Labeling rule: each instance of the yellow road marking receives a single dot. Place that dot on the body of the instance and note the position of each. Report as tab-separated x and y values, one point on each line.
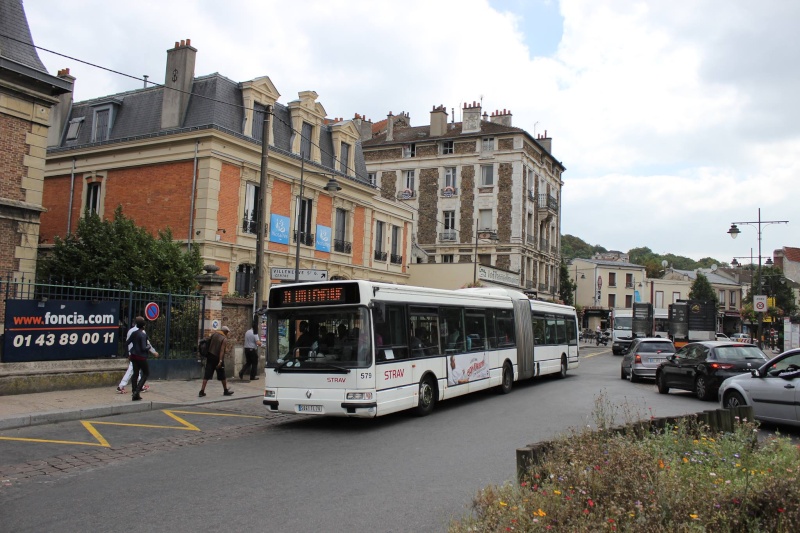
101	441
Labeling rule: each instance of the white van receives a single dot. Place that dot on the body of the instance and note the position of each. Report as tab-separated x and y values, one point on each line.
621	330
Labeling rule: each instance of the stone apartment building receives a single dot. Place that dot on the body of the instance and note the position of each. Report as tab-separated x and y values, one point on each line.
478	188
187	156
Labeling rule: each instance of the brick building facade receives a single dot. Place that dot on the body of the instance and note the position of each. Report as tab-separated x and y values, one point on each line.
188	156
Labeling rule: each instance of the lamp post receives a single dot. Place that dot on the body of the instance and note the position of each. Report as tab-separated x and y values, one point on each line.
734	232
332	186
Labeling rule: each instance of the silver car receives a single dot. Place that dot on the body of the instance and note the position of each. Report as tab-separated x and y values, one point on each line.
773	389
643	356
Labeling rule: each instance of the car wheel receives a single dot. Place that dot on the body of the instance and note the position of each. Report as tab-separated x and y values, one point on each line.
507	380
622	374
733	400
633	377
701	388
661	382
427	397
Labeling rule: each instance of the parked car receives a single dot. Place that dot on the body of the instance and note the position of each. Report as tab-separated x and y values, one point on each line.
722	337
701	367
741	337
773	390
643	356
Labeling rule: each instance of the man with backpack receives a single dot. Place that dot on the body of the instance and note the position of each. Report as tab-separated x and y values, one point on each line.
215	360
139	350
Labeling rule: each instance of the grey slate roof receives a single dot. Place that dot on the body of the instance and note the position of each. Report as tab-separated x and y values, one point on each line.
216	102
620	264
14	23
712	277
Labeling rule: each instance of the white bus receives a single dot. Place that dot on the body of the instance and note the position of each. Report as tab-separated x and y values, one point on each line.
364	349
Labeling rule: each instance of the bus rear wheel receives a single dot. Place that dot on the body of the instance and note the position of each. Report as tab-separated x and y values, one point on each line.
563	372
427	397
508	379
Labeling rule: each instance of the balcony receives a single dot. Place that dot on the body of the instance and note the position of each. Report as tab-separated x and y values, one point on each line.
449	192
448	235
305	238
343	247
546	207
542	287
380	256
530	239
628	284
396	259
406	194
528	284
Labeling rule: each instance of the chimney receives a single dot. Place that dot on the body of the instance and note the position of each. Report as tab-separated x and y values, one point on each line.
180	76
501	117
364	126
390	127
438	121
60	112
472	118
545	142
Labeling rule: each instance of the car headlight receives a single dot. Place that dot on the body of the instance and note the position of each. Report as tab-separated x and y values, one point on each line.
359	396
269	393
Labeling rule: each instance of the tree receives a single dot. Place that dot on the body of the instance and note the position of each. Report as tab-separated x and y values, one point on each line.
117	252
567	286
702	290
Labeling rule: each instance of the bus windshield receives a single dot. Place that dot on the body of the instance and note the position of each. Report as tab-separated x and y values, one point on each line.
333	338
623	323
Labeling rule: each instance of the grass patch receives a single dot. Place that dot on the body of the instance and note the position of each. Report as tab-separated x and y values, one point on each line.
681	478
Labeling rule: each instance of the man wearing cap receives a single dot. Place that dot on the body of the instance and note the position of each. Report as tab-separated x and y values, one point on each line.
216	360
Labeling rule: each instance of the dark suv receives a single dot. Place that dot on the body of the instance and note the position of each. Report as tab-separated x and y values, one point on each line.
701	367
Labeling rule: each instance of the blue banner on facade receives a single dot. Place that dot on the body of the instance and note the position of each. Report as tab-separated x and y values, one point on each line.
323	238
279	229
57	330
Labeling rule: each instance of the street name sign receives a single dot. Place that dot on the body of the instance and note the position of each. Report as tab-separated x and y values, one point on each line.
306	274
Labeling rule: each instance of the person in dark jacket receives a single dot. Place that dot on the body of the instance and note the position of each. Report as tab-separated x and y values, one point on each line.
216	360
140	349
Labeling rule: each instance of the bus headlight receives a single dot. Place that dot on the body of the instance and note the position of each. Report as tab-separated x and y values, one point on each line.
269	393
359	396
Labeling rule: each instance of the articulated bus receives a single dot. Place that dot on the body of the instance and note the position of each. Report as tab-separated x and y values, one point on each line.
364	349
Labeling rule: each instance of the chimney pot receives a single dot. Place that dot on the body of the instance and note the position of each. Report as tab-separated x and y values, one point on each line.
177	44
188	42
183	43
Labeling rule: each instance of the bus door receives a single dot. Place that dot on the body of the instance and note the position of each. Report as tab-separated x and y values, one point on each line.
394	379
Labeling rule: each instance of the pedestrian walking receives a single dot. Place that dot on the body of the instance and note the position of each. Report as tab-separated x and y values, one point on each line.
215	361
251	344
129	373
139	352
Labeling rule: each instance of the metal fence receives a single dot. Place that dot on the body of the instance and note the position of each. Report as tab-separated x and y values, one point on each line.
174	334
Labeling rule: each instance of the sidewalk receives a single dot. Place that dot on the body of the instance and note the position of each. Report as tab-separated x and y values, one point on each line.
22	410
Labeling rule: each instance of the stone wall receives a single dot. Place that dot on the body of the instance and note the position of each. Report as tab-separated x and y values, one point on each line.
427	150
467	147
385	154
467	196
389	185
505	197
505	144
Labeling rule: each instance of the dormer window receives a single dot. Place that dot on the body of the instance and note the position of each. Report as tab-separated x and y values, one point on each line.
305	141
104	113
344	158
487	144
259	113
410	150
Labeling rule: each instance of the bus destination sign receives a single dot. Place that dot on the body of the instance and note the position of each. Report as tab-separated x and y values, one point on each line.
317	295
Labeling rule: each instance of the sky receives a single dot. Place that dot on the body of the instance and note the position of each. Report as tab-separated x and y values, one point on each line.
673	118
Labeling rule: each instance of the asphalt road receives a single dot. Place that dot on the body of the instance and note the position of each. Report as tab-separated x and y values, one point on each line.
291	474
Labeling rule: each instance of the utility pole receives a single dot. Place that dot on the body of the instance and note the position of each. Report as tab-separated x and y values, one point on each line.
261	222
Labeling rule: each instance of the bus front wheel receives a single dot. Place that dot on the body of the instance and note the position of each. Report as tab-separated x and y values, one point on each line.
427	397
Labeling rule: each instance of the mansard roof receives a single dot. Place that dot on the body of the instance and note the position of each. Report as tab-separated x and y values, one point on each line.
216	103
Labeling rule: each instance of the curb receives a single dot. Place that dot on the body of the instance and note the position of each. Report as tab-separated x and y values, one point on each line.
52	417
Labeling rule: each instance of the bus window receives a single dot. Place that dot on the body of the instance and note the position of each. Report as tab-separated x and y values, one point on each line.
561	331
393	332
572	332
505	328
451	330
491	334
423	331
475	328
538	330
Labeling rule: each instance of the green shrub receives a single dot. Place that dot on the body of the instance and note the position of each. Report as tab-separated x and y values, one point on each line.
683	478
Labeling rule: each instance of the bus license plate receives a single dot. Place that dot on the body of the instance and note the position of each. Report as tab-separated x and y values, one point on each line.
309	408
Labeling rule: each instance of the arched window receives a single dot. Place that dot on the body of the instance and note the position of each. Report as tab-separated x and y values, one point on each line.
245	279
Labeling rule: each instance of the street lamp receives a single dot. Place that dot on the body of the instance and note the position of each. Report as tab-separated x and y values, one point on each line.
332	186
734	232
